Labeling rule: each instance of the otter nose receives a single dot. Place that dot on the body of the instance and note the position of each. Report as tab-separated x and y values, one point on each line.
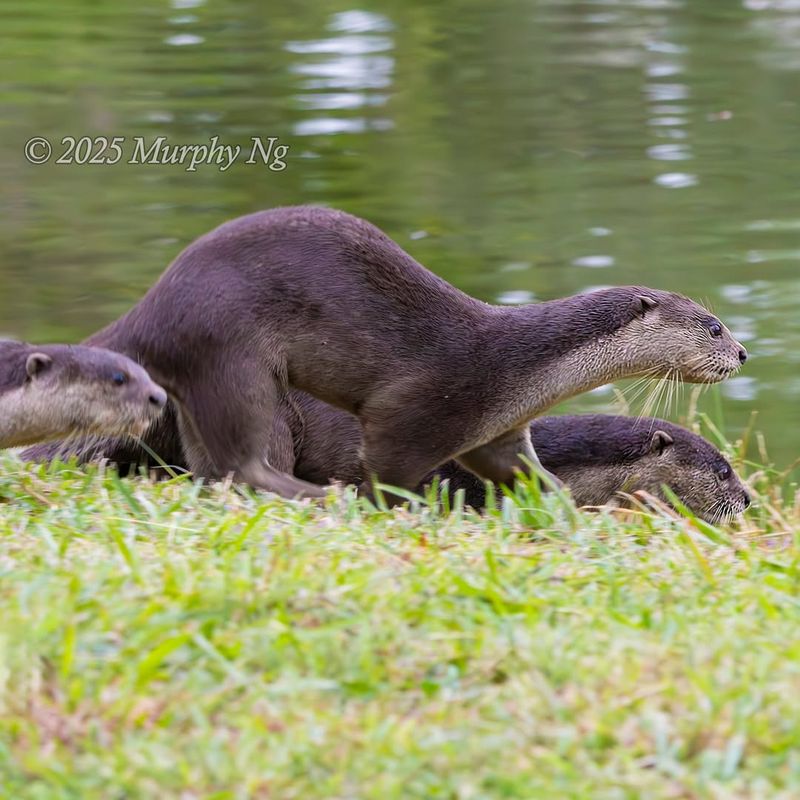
747	500
158	397
742	355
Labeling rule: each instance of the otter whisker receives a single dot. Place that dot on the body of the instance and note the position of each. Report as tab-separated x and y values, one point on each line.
652	400
716	511
669	392
680	386
718	515
635	397
674	391
647	404
664	396
637	389
650	409
659	400
648	399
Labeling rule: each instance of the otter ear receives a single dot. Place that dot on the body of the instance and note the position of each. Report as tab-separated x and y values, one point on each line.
660	442
643	303
37	363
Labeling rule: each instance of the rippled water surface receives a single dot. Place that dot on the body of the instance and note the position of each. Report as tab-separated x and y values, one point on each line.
523	150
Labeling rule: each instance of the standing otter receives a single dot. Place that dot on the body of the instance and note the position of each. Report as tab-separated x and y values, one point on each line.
52	391
598	456
321	301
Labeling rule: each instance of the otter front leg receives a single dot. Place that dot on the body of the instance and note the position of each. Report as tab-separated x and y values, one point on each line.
501	459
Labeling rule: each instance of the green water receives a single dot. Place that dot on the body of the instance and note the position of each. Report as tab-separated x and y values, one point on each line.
523	150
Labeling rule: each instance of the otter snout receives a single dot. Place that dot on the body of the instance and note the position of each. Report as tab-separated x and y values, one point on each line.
146	401
158	397
142	390
742	355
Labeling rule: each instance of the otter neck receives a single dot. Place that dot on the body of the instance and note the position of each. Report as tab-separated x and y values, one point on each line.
19	412
546	365
580	370
597	485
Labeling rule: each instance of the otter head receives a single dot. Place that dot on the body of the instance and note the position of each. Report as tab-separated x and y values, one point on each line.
88	390
694	470
675	337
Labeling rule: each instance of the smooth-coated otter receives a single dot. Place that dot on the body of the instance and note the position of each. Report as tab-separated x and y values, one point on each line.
318	300
602	458
599	457
52	391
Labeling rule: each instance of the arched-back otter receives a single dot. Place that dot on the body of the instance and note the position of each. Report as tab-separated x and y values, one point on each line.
598	456
321	301
52	391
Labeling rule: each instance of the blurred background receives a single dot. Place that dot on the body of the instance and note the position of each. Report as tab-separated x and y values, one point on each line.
523	149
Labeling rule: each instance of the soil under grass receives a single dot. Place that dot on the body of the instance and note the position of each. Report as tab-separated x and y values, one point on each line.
173	640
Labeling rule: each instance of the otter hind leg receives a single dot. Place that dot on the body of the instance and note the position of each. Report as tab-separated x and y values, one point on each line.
231	428
499	460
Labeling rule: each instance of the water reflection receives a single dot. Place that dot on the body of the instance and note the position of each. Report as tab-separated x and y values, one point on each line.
666	121
736	293
184	39
676	180
515	297
774	225
594	262
669	112
740	388
669	152
349	76
501	143
759	256
778	20
664	92
743	328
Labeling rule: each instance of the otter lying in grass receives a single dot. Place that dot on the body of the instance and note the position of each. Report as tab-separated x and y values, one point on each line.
51	391
602	458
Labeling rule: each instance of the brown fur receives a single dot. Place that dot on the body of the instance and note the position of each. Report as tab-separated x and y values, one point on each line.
600	458
52	391
317	300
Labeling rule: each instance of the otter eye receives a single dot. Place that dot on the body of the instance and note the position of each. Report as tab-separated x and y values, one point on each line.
119	378
715	329
724	472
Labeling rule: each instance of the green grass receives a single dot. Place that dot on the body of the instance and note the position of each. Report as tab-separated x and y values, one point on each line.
175	641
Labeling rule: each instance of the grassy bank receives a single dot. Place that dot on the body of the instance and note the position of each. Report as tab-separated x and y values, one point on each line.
174	641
